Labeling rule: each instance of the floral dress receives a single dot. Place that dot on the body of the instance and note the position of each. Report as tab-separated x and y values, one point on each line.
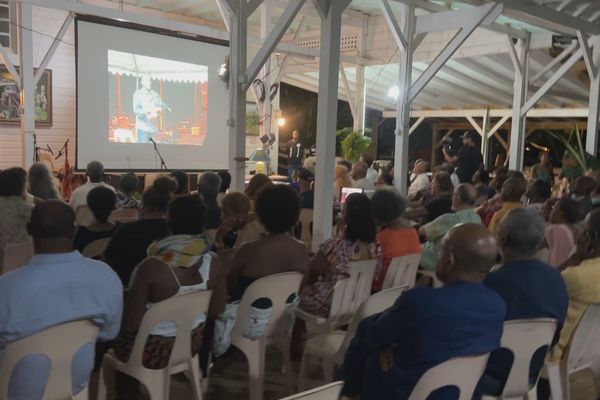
339	253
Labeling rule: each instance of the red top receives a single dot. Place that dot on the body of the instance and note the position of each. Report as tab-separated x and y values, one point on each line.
395	243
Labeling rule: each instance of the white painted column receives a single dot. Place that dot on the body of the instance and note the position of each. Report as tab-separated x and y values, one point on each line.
485	142
265	28
591	142
237	96
403	105
359	84
517	137
329	64
27	83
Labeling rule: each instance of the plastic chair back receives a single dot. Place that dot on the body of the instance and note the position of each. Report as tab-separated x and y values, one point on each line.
523	338
461	372
377	303
306	218
584	352
402	271
123	215
183	311
59	344
325	392
276	288
16	255
350	293
96	248
84	216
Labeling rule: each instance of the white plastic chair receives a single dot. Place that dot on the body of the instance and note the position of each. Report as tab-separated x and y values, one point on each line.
583	353
84	216
123	215
461	372
16	255
183	311
59	344
325	392
402	271
305	219
331	347
523	338
348	295
96	248
278	289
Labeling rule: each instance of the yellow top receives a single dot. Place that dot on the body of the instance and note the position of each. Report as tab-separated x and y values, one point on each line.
498	215
583	286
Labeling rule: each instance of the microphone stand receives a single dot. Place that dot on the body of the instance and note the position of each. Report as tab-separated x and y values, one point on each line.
163	165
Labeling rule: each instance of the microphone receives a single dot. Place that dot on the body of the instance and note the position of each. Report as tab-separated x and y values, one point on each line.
152	140
49	149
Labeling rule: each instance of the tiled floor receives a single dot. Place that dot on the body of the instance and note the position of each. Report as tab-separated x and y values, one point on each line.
229	379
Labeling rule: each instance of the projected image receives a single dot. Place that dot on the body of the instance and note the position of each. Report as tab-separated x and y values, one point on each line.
156	99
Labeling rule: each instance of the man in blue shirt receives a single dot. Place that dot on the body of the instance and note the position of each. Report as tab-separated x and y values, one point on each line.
530	288
425	327
57	285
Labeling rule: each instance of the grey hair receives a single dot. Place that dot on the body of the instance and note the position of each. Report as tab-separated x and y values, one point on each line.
523	231
95	170
209	184
466	193
40	182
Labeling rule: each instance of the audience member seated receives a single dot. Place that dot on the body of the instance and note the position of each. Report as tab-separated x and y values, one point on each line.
307	194
41	183
440	202
57	285
127	195
101	202
278	208
582	191
256	183
238	224
346	164
482	177
563	231
396	236
332	261
426	327
384	180
225	184
463	203
512	191
14	210
583	285
538	192
359	176
483	194
95	172
341	179
209	185
183	185
176	265
418	178
372	173
129	242
530	288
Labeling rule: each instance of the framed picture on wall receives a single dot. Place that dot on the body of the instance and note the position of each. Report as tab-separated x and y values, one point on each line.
10	103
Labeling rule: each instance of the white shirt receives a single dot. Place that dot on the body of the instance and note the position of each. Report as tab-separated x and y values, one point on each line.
372	176
364	184
420	182
79	195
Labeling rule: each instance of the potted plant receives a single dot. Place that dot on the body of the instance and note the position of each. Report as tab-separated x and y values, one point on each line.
354	143
576	161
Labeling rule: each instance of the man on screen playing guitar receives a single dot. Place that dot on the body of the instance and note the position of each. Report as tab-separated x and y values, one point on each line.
147	107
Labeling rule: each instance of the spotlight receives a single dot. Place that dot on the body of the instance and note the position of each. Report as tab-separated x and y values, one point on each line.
281	122
394	92
224	71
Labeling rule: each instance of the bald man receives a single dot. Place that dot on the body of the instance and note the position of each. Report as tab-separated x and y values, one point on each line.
57	285
425	327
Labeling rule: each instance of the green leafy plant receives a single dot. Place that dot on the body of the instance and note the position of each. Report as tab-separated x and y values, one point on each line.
576	160
354	143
